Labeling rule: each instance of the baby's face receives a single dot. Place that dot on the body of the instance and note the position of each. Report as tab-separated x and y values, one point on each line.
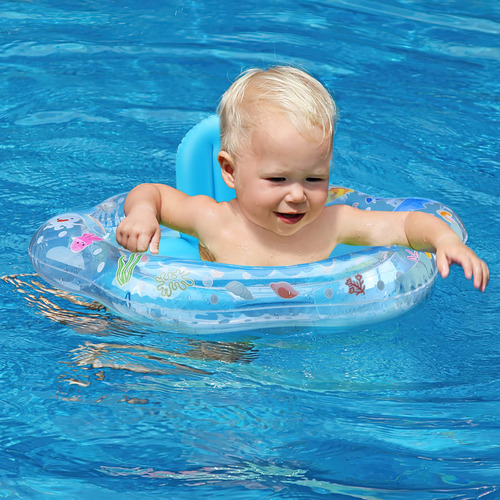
281	177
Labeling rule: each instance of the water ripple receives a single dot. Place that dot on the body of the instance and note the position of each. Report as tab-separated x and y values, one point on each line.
442	19
96	99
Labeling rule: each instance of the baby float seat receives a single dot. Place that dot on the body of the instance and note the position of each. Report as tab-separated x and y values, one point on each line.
197	168
198	173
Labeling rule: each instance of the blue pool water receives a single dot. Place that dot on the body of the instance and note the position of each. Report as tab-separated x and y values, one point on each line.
96	96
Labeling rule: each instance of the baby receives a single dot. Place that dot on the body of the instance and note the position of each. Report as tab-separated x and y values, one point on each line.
277	131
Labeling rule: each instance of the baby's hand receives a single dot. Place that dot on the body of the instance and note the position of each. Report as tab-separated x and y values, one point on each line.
451	250
139	230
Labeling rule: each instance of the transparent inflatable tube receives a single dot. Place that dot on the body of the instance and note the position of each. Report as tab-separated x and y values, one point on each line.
175	290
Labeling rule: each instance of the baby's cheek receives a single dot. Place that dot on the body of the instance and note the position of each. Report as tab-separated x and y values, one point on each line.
320	198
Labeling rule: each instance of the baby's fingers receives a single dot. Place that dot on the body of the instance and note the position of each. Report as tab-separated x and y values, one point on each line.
486	276
142	244
472	265
467	265
442	264
476	268
481	275
122	236
154	246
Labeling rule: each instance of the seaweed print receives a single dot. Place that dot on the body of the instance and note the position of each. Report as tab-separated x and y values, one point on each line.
173	280
126	268
356	285
413	255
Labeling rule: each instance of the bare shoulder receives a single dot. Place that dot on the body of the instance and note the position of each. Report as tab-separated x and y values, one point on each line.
368	227
212	211
341	215
210	214
349	216
186	213
203	202
335	220
217	227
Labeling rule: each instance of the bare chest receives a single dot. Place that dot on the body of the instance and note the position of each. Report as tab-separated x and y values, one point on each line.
235	245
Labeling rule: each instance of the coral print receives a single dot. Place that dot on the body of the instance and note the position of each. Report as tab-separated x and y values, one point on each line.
83	241
413	255
356	285
173	280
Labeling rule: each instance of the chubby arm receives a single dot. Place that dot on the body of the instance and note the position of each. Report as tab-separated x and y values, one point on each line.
428	233
149	205
417	230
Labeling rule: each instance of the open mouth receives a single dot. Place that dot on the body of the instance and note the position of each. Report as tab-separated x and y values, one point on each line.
289	218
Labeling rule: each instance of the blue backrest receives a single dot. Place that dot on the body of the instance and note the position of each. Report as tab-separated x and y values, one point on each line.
197	168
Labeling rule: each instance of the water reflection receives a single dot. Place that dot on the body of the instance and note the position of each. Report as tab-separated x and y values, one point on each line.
83	316
92	318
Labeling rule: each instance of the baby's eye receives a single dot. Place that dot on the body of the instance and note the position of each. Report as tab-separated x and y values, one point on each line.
314	179
276	179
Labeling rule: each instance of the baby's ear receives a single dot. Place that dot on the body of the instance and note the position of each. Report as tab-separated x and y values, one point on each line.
226	163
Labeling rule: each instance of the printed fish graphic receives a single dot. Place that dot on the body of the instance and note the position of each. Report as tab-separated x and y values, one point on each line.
83	241
337	192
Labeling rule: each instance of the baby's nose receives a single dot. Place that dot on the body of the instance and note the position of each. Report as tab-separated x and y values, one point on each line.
296	194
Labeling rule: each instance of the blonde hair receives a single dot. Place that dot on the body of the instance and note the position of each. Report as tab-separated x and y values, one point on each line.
291	91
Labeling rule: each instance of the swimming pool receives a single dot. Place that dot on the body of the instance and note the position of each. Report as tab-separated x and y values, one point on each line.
95	98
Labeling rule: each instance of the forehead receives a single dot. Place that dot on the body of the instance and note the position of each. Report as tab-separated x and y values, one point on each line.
273	132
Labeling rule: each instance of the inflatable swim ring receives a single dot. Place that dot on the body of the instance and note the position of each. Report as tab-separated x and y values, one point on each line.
77	252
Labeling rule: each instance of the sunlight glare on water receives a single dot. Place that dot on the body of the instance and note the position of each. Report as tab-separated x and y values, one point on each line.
96	97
